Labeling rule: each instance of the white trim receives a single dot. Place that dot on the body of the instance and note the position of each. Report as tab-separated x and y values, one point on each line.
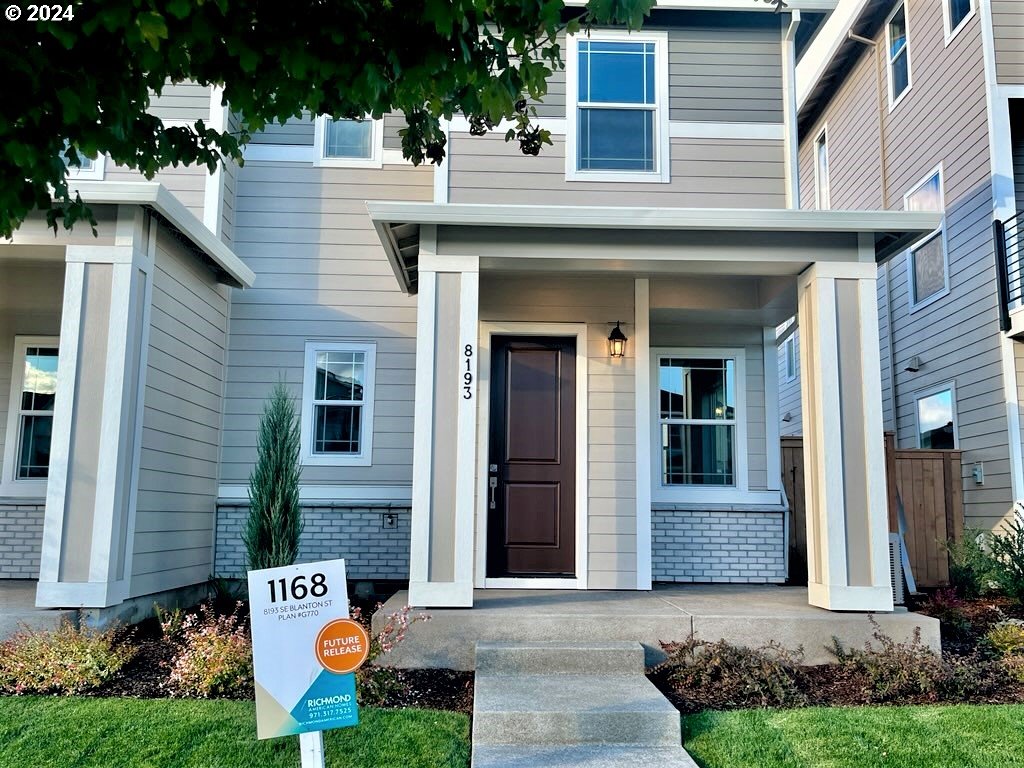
913	303
82	594
642	361
893	99
773	442
10	485
446	594
423	437
467	410
375	160
96	173
213	190
950	34
789	356
791	116
822	202
767	131
921	394
578	331
365	456
735	493
442	172
334	493
825	45
663	160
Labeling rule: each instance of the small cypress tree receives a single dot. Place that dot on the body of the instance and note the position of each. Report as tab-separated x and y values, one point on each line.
274	526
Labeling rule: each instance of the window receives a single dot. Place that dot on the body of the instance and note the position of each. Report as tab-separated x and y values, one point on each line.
337	403
955	14
30	418
928	272
898	50
697	414
618	126
348	143
89	169
790	347
822	192
936	418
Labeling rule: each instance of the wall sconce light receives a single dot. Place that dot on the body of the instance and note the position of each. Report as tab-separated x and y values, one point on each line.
617	342
788	417
913	364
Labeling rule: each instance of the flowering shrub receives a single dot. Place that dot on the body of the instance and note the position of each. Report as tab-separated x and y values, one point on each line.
376	683
1007	637
214	657
67	660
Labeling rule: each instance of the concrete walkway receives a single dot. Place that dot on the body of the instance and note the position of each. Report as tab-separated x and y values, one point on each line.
588	705
18	609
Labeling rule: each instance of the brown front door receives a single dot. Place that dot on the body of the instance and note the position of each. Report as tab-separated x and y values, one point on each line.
532	468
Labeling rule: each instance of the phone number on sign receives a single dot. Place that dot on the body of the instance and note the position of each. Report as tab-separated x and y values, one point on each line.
40	13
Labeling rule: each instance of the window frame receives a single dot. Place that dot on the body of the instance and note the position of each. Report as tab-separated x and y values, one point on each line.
662	173
697	493
10	484
922	394
947	16
365	456
375	160
96	173
894	100
912	302
789	347
821	141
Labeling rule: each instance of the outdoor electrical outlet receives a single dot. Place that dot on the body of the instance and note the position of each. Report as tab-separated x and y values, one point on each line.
390	520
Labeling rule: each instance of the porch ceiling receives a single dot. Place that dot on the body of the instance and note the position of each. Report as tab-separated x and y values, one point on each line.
640	240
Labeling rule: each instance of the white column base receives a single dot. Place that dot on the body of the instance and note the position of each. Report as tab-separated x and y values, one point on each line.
841	597
441	594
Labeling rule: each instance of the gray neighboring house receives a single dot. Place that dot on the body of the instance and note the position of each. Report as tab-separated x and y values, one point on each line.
919	105
470	419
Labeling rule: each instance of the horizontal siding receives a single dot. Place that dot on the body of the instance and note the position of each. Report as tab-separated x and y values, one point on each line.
1008	32
706	173
789	393
611	404
320	274
294	132
181	102
177	495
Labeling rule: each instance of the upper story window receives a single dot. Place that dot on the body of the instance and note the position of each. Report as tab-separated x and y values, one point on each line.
348	143
618	123
30	417
337	403
927	262
89	169
897	42
822	192
955	15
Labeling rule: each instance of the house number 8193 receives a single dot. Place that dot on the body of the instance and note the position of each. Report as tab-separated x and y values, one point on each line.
467	375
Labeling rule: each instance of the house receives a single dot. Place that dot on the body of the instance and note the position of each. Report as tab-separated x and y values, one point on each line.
919	105
513	372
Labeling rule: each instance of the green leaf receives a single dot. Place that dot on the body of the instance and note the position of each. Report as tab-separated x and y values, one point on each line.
153	28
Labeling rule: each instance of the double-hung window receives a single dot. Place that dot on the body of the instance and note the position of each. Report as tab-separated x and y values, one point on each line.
348	143
30	418
699	413
618	123
822	190
897	42
337	403
927	262
955	15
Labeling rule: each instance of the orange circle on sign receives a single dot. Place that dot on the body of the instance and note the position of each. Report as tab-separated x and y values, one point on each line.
342	646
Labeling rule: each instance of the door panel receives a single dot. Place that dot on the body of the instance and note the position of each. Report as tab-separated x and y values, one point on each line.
532	516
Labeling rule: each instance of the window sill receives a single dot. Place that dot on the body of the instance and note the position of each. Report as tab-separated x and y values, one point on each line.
952	35
776	506
893	103
30	490
694	497
626	177
915	307
336	461
348	162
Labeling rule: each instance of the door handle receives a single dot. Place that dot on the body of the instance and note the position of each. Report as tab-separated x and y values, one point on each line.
493	484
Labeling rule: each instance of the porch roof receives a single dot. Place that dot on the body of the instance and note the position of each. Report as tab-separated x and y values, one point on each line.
398	224
228	267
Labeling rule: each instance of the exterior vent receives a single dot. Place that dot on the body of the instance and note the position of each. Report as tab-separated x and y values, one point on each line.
896	568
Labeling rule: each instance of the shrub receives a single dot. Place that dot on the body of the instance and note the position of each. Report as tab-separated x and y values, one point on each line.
1014	666
376	683
946	606
971	569
67	660
214	656
1007	637
274	525
765	676
171	621
1006	549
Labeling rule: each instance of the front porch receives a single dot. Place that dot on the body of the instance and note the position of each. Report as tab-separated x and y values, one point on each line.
748	615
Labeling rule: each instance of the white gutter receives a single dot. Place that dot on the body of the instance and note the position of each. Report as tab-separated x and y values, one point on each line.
792	136
160	199
821	6
826	44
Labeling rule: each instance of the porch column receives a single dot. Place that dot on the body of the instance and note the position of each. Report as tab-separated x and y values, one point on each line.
444	444
847	519
90	493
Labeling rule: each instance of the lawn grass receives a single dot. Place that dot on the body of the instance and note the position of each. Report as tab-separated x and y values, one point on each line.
959	736
167	733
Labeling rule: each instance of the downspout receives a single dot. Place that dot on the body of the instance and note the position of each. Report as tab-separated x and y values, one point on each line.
791	138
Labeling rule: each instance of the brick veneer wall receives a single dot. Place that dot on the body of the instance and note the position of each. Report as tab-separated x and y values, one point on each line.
21	538
740	547
358	534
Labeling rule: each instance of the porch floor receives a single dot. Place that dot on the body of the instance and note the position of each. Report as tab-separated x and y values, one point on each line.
18	609
739	613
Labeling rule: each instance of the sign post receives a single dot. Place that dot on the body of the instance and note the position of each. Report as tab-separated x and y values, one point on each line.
305	651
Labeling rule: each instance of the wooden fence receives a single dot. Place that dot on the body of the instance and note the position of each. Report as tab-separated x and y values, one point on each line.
930	485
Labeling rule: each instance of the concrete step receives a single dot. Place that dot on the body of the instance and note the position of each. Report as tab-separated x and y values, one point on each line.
559	658
581	756
538	710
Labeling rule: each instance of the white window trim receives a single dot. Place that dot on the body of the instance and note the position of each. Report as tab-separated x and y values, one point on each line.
662	172
10	485
682	493
375	160
96	173
822	140
913	304
921	394
950	34
789	346
365	457
894	101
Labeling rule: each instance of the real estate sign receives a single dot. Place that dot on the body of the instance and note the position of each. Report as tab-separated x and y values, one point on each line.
305	649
